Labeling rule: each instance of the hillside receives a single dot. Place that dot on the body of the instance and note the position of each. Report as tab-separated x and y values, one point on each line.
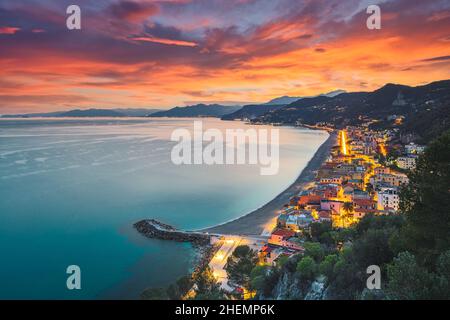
285	100
91	113
425	109
251	111
136	112
198	110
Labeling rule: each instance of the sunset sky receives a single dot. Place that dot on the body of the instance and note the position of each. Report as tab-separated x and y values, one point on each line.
159	54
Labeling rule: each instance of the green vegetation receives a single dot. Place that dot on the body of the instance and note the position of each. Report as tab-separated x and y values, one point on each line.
322	232
207	286
180	288
257	277
348	209
203	286
410	281
174	291
264	279
327	265
240	264
307	268
314	250
426	204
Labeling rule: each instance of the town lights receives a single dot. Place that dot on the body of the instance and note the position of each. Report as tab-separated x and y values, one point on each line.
219	256
343	143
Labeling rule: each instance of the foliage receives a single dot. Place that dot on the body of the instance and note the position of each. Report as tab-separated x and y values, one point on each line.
178	289
271	280
206	281
327	265
263	279
282	260
321	232
373	248
426	203
184	284
258	271
348	207
370	221
240	264
370	245
408	280
307	268
314	250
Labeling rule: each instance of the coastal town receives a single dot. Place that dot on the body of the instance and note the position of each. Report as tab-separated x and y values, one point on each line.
359	177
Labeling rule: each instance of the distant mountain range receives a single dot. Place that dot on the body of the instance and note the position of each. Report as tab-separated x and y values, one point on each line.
424	110
287	100
129	112
253	111
198	110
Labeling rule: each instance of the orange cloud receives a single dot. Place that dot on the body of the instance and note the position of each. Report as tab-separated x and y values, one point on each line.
165	41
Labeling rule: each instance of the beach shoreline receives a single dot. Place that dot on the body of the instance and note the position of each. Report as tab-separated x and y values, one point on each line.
255	222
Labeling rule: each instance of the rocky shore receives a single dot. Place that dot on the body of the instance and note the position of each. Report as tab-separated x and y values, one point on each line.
201	242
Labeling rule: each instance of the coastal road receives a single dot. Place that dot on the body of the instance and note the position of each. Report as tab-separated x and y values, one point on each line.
218	262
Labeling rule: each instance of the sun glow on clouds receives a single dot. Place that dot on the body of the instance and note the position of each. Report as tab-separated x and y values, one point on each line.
167	53
165	41
9	30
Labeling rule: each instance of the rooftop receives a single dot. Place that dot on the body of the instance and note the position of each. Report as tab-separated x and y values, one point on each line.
285	233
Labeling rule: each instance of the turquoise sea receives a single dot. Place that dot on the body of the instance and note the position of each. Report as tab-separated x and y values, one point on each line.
70	190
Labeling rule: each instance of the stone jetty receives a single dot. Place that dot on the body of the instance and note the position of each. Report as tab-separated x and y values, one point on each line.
157	230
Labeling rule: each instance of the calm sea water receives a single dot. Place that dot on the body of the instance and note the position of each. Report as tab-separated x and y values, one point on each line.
71	189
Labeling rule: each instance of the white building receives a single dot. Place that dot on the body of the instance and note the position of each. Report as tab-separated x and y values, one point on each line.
388	198
413	148
408	163
396	180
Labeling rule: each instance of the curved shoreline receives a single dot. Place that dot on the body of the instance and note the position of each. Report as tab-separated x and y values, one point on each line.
254	222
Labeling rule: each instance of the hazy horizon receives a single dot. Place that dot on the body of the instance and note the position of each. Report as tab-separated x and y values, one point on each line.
208	103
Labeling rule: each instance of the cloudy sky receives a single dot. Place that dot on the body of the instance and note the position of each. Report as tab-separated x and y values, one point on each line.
164	53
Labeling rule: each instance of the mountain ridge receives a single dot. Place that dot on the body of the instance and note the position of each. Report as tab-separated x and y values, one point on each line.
287	99
416	106
252	111
91	112
198	110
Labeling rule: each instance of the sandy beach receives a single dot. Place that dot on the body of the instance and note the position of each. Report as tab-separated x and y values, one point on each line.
254	222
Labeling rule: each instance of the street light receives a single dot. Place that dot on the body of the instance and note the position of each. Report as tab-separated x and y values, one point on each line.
220	256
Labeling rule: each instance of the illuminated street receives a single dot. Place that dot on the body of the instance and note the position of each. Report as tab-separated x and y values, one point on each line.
218	262
344	148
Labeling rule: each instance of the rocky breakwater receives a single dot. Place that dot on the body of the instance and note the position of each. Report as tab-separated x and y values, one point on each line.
157	230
